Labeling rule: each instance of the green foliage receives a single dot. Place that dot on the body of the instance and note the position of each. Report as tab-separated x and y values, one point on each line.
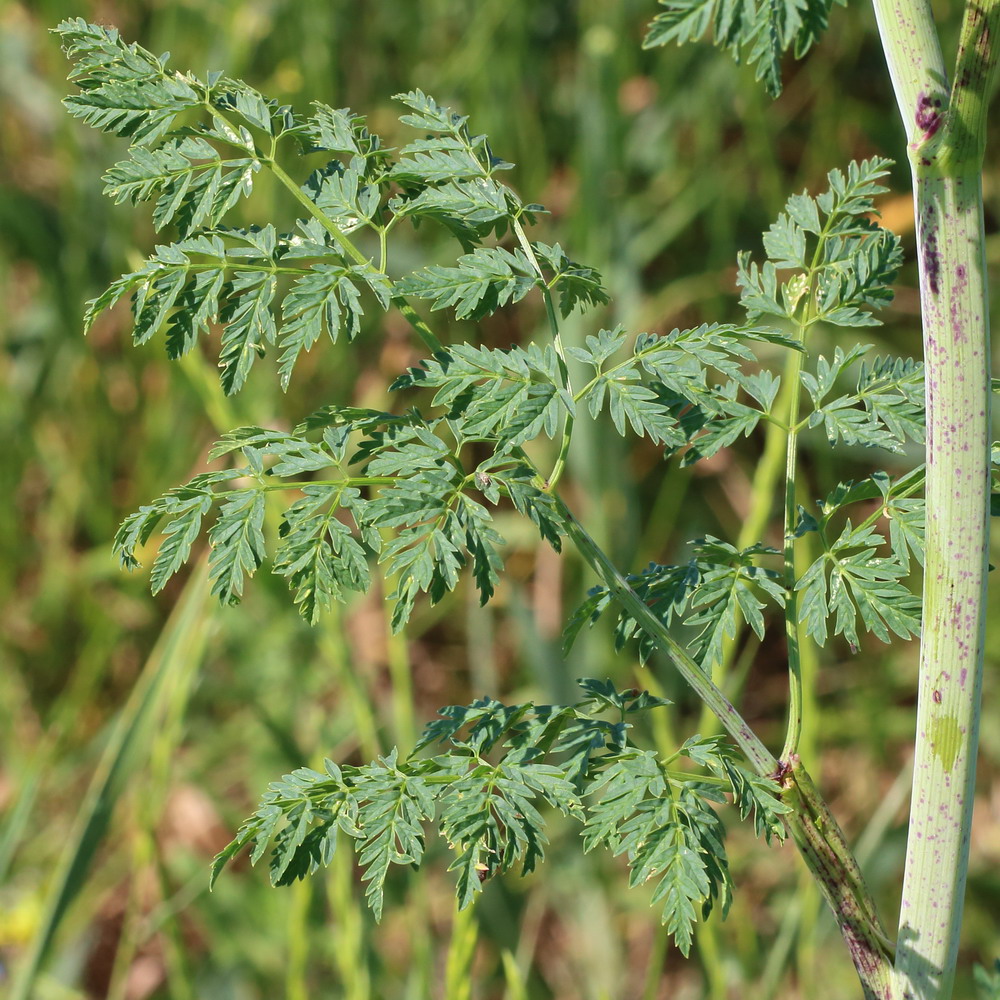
843	265
509	397
123	88
284	289
762	32
716	590
662	390
485	280
417	489
844	262
417	481
851	577
502	764
988	981
885	411
409	482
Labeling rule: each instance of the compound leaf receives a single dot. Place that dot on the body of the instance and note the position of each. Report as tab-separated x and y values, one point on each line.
762	32
318	553
325	298
849	579
391	820
124	88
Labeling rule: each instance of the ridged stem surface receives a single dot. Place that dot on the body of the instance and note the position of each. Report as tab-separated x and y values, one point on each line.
945	127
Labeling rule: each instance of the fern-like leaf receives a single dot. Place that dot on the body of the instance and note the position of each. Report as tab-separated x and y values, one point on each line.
124	88
761	32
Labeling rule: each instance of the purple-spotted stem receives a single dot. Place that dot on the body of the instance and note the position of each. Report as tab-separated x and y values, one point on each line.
945	127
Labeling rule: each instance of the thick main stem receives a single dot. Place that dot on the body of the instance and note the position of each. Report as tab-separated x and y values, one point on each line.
956	339
945	127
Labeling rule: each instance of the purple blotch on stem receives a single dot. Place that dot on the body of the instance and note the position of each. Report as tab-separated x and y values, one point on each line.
928	116
932	265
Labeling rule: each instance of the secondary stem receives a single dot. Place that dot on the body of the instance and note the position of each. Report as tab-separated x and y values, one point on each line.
812	826
767	475
745	738
794	731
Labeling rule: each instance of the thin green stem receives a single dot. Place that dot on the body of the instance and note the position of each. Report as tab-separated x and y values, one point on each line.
317	213
794	730
733	723
792	375
300	485
461	954
297	938
765	481
550	312
383	248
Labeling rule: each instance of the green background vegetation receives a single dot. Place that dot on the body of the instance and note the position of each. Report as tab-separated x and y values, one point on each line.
656	167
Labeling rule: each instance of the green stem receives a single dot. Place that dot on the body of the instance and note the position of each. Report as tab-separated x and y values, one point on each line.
550	311
344	483
766	476
769	468
792	377
956	335
794	730
946	129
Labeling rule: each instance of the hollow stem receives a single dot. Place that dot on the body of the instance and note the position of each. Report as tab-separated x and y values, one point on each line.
945	126
956	339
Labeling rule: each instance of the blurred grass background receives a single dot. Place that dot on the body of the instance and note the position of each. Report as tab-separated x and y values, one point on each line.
135	732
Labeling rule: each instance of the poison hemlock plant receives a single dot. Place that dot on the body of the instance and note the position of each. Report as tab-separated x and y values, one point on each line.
416	488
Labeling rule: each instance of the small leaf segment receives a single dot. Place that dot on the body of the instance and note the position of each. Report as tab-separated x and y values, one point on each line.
497	767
